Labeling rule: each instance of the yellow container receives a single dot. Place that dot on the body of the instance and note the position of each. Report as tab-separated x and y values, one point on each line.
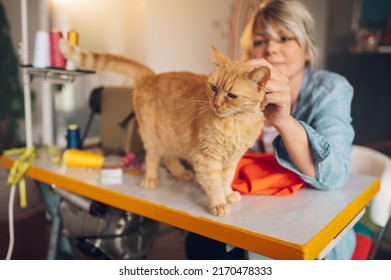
79	158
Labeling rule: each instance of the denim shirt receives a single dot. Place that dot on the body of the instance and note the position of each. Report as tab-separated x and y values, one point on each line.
323	108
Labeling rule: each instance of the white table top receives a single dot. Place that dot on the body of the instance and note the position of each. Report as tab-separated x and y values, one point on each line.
302	224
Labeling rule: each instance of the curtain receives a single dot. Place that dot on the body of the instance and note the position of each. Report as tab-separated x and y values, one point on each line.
241	13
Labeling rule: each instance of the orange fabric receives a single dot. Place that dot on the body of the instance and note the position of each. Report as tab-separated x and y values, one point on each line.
258	173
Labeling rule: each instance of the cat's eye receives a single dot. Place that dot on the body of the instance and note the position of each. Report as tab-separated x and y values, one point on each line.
213	88
231	95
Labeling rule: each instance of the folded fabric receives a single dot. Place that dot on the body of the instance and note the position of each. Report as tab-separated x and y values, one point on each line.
259	173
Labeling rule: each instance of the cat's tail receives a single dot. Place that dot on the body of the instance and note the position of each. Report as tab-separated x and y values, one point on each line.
104	61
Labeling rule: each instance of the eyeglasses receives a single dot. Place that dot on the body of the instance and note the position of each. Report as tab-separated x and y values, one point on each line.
264	42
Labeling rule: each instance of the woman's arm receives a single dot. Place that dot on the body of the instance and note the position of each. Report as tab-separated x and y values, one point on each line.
297	145
325	116
280	94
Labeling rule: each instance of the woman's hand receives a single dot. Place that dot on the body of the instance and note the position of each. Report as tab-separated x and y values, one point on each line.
277	103
277	109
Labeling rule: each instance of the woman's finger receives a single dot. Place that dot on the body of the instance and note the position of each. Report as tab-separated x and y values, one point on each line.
276	98
276	86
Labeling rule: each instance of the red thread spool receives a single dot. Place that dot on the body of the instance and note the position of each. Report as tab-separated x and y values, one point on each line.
57	60
128	159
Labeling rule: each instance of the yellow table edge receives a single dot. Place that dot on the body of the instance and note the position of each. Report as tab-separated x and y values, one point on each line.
251	241
315	246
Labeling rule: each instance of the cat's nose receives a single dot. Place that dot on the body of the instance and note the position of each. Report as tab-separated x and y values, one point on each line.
217	103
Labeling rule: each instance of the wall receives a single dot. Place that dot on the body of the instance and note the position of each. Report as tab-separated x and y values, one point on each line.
12	8
319	11
167	35
341	24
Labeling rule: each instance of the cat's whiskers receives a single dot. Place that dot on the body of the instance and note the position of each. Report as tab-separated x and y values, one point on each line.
196	108
201	101
245	110
201	104
199	111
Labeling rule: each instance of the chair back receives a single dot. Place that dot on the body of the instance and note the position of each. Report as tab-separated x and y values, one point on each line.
371	162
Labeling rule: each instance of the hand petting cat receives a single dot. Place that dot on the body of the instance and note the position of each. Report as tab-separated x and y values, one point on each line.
277	103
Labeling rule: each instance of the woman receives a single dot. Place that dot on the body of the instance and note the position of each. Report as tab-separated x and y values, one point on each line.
308	112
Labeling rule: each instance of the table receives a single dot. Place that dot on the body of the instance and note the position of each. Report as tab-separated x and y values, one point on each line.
299	226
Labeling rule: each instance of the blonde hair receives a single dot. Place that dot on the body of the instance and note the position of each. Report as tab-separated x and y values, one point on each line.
289	14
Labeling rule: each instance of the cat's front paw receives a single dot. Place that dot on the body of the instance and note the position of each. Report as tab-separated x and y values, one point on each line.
220	210
149	183
233	197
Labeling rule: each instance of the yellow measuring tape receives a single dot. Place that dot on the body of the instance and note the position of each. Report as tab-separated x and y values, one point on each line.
20	166
18	170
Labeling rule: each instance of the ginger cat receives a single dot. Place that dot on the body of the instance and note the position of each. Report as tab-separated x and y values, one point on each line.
208	120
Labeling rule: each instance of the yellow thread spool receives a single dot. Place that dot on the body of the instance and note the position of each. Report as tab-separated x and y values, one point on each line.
73	38
79	158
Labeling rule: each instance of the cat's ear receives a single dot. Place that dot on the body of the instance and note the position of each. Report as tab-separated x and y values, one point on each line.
260	75
219	59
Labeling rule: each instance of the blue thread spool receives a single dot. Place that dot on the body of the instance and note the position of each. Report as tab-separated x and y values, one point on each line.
73	137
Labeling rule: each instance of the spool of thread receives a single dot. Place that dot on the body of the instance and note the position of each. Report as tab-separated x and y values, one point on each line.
79	158
73	39
128	159
41	50
57	60
73	137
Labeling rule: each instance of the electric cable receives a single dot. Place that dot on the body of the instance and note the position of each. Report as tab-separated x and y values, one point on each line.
11	222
